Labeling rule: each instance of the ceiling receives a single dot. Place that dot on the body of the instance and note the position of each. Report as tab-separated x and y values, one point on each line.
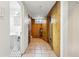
38	8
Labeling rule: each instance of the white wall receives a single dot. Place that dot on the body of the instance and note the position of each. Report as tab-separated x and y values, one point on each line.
24	33
15	18
70	29
15	25
4	30
64	28
73	29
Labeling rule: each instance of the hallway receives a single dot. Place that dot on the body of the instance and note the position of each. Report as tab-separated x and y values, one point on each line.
39	48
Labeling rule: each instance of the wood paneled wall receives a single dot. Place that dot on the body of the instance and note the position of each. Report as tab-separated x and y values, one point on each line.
35	30
56	28
55	14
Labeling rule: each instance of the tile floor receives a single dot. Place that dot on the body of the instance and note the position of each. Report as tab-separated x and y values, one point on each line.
39	48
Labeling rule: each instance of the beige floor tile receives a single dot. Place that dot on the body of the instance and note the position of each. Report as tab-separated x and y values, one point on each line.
39	48
38	55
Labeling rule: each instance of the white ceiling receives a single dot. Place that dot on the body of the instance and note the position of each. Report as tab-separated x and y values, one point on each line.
38	8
